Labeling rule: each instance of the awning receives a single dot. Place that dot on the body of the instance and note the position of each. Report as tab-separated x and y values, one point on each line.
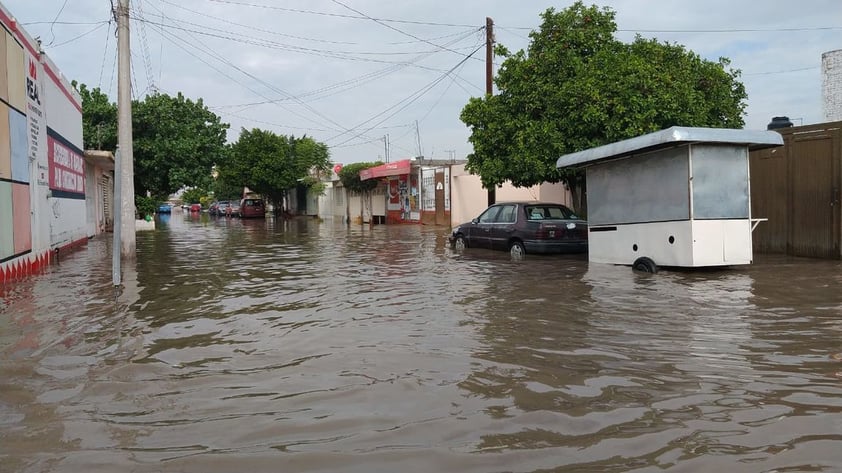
389	169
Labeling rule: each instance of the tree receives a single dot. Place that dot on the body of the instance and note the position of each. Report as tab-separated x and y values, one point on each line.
176	143
578	87
99	119
272	164
349	176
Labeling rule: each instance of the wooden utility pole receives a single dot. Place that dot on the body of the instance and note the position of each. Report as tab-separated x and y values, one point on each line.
489	82
124	133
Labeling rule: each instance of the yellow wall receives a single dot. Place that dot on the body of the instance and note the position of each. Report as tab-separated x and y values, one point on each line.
15	74
4	82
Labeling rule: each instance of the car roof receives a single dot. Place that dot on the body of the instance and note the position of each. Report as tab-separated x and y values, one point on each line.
530	202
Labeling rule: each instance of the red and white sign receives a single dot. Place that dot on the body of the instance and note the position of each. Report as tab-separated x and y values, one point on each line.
67	167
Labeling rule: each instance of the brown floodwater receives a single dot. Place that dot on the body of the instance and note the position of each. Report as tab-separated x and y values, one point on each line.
304	346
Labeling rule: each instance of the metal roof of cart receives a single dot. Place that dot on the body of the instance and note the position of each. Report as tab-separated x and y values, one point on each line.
754	139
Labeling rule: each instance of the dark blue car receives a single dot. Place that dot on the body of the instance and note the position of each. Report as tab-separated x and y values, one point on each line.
164	209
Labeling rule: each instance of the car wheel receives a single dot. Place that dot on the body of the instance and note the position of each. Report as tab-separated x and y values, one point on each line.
645	265
517	250
460	243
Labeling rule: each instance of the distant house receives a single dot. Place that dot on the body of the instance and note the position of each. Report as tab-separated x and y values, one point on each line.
423	191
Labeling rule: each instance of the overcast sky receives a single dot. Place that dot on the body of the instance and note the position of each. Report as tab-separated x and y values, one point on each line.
352	72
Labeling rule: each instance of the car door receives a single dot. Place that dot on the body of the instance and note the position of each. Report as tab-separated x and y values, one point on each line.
503	226
480	228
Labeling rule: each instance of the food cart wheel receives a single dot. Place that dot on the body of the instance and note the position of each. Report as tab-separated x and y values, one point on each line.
645	265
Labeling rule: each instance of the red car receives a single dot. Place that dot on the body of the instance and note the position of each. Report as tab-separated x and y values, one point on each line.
252	208
195	207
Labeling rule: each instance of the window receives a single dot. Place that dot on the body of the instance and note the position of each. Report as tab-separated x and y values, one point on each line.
506	214
489	215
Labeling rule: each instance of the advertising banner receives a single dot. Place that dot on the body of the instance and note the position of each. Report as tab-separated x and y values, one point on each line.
67	167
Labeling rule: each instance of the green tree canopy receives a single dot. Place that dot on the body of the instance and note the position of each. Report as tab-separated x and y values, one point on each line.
176	140
99	119
176	143
578	87
271	164
349	175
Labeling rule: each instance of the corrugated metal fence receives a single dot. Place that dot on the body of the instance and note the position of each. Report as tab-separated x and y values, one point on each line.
797	188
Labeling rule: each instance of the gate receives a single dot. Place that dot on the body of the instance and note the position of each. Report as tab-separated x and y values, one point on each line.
797	188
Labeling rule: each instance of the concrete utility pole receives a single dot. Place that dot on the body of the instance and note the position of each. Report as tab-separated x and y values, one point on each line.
489	82
124	133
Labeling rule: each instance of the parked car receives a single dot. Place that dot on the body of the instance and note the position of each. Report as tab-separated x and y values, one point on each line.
221	208
524	227
164	209
195	207
252	208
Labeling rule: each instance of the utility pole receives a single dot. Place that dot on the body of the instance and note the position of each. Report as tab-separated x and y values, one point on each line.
124	133
489	83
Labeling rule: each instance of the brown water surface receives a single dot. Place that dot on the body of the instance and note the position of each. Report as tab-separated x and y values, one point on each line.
304	346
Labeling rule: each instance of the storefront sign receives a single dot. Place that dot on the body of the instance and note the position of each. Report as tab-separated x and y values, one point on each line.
67	166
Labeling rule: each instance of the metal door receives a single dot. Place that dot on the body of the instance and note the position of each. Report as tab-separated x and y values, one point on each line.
814	207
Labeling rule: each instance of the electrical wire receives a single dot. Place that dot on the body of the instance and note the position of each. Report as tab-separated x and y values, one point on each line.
409	100
58	45
256	41
104	53
250	27
53	23
311	12
398	30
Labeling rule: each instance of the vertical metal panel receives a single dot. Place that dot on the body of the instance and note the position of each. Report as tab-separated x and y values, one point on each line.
769	199
439	193
812	177
720	181
648	188
794	187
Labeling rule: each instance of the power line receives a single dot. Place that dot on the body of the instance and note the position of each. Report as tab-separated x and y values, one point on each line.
781	72
104	53
225	20
409	101
54	46
399	31
338	15
256	41
53	23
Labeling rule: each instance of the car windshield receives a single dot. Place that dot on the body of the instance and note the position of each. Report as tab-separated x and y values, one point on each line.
543	212
252	202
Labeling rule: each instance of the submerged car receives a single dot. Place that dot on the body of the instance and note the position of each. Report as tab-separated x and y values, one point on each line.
164	209
524	227
251	208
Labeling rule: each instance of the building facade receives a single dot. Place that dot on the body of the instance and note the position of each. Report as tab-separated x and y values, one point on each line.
42	167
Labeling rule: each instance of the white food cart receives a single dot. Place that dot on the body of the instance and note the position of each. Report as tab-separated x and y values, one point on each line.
677	197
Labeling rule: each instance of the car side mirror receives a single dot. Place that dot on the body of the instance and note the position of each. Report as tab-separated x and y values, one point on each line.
476	220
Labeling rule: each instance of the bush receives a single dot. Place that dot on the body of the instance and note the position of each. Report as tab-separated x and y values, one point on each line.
145	205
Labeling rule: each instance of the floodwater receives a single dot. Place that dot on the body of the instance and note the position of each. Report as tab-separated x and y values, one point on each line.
304	346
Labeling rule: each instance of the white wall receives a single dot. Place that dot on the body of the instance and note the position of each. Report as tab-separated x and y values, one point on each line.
68	223
469	198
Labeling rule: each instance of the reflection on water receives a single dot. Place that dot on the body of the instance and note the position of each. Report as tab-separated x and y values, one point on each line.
272	345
